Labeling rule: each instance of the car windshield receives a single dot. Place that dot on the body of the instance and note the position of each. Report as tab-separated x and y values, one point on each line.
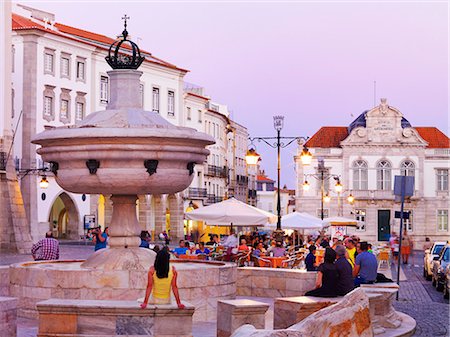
437	249
446	256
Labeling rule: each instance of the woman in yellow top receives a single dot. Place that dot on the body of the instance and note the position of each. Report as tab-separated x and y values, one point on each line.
161	278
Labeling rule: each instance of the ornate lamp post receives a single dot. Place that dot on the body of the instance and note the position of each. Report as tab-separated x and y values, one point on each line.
322	176
278	143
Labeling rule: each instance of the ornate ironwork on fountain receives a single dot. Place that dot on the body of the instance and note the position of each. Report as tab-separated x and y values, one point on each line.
124	53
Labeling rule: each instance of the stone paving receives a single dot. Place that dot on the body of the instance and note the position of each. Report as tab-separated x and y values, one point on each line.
420	300
417	297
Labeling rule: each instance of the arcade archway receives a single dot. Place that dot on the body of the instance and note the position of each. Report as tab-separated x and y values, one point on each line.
64	220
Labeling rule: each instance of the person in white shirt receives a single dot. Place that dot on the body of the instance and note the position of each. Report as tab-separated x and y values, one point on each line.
231	240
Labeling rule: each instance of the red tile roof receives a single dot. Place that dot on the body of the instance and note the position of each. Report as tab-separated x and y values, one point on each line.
435	137
328	136
84	36
198	96
331	136
263	178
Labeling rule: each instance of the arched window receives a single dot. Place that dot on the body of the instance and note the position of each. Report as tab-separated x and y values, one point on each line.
407	167
384	174
360	175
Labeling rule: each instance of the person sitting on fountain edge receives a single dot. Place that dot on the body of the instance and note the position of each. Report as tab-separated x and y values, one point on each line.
162	279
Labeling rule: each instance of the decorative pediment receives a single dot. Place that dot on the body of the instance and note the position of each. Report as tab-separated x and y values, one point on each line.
384	125
361	136
383	110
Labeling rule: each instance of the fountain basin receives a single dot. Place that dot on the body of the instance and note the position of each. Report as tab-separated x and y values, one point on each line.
200	283
121	153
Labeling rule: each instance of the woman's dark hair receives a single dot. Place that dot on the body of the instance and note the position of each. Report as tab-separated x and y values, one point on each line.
330	255
312	248
156	248
162	264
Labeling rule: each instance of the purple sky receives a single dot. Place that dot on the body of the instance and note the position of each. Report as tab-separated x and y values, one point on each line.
313	62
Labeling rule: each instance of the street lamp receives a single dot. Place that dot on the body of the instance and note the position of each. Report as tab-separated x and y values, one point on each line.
278	123
322	176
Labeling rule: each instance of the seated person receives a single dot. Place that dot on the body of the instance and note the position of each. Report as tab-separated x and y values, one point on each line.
345	282
243	246
162	278
259	250
181	250
202	249
271	247
310	260
279	250
366	265
327	277
144	239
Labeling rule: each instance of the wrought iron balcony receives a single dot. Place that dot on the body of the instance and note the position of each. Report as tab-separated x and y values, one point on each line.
212	199
216	171
197	193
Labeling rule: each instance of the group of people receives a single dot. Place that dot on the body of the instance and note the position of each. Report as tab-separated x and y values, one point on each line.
344	268
406	247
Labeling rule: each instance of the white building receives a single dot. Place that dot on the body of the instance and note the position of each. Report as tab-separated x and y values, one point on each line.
267	195
366	156
59	75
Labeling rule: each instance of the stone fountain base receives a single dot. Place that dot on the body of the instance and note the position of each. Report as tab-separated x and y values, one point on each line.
200	283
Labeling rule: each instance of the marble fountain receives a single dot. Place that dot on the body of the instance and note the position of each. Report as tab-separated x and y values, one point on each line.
122	151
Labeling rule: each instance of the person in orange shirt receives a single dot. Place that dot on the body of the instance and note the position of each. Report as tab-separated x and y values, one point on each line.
243	246
161	279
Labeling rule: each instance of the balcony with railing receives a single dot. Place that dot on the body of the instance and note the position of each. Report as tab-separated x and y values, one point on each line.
212	199
376	194
216	171
197	193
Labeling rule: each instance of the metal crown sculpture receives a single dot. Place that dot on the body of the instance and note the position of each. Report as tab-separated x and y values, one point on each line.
123	55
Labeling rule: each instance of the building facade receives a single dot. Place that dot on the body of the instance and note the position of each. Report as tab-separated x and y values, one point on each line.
267	195
366	156
59	75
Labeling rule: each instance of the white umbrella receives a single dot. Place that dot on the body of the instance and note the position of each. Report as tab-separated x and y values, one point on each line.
231	212
339	221
299	220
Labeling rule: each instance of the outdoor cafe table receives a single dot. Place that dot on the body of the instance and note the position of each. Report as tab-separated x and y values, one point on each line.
189	257
275	261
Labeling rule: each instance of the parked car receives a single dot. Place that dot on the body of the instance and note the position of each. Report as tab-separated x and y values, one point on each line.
447	282
430	254
440	264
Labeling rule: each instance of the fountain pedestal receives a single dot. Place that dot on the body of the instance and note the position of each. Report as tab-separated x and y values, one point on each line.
124	252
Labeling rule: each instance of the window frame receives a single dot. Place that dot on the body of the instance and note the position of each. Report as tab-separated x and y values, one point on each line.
80	98
104	89
360	169
188	113
361	224
64	96
82	61
156	99
51	54
384	175
48	93
64	57
442	183
442	214
171	103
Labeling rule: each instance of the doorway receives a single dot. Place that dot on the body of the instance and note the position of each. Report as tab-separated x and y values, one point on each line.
63	218
384	224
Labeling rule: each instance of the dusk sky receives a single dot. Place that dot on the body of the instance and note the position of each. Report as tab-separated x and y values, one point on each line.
313	62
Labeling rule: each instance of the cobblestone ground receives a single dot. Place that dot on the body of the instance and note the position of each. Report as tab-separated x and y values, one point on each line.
420	300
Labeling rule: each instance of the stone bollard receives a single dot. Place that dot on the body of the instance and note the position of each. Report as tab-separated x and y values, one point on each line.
231	314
